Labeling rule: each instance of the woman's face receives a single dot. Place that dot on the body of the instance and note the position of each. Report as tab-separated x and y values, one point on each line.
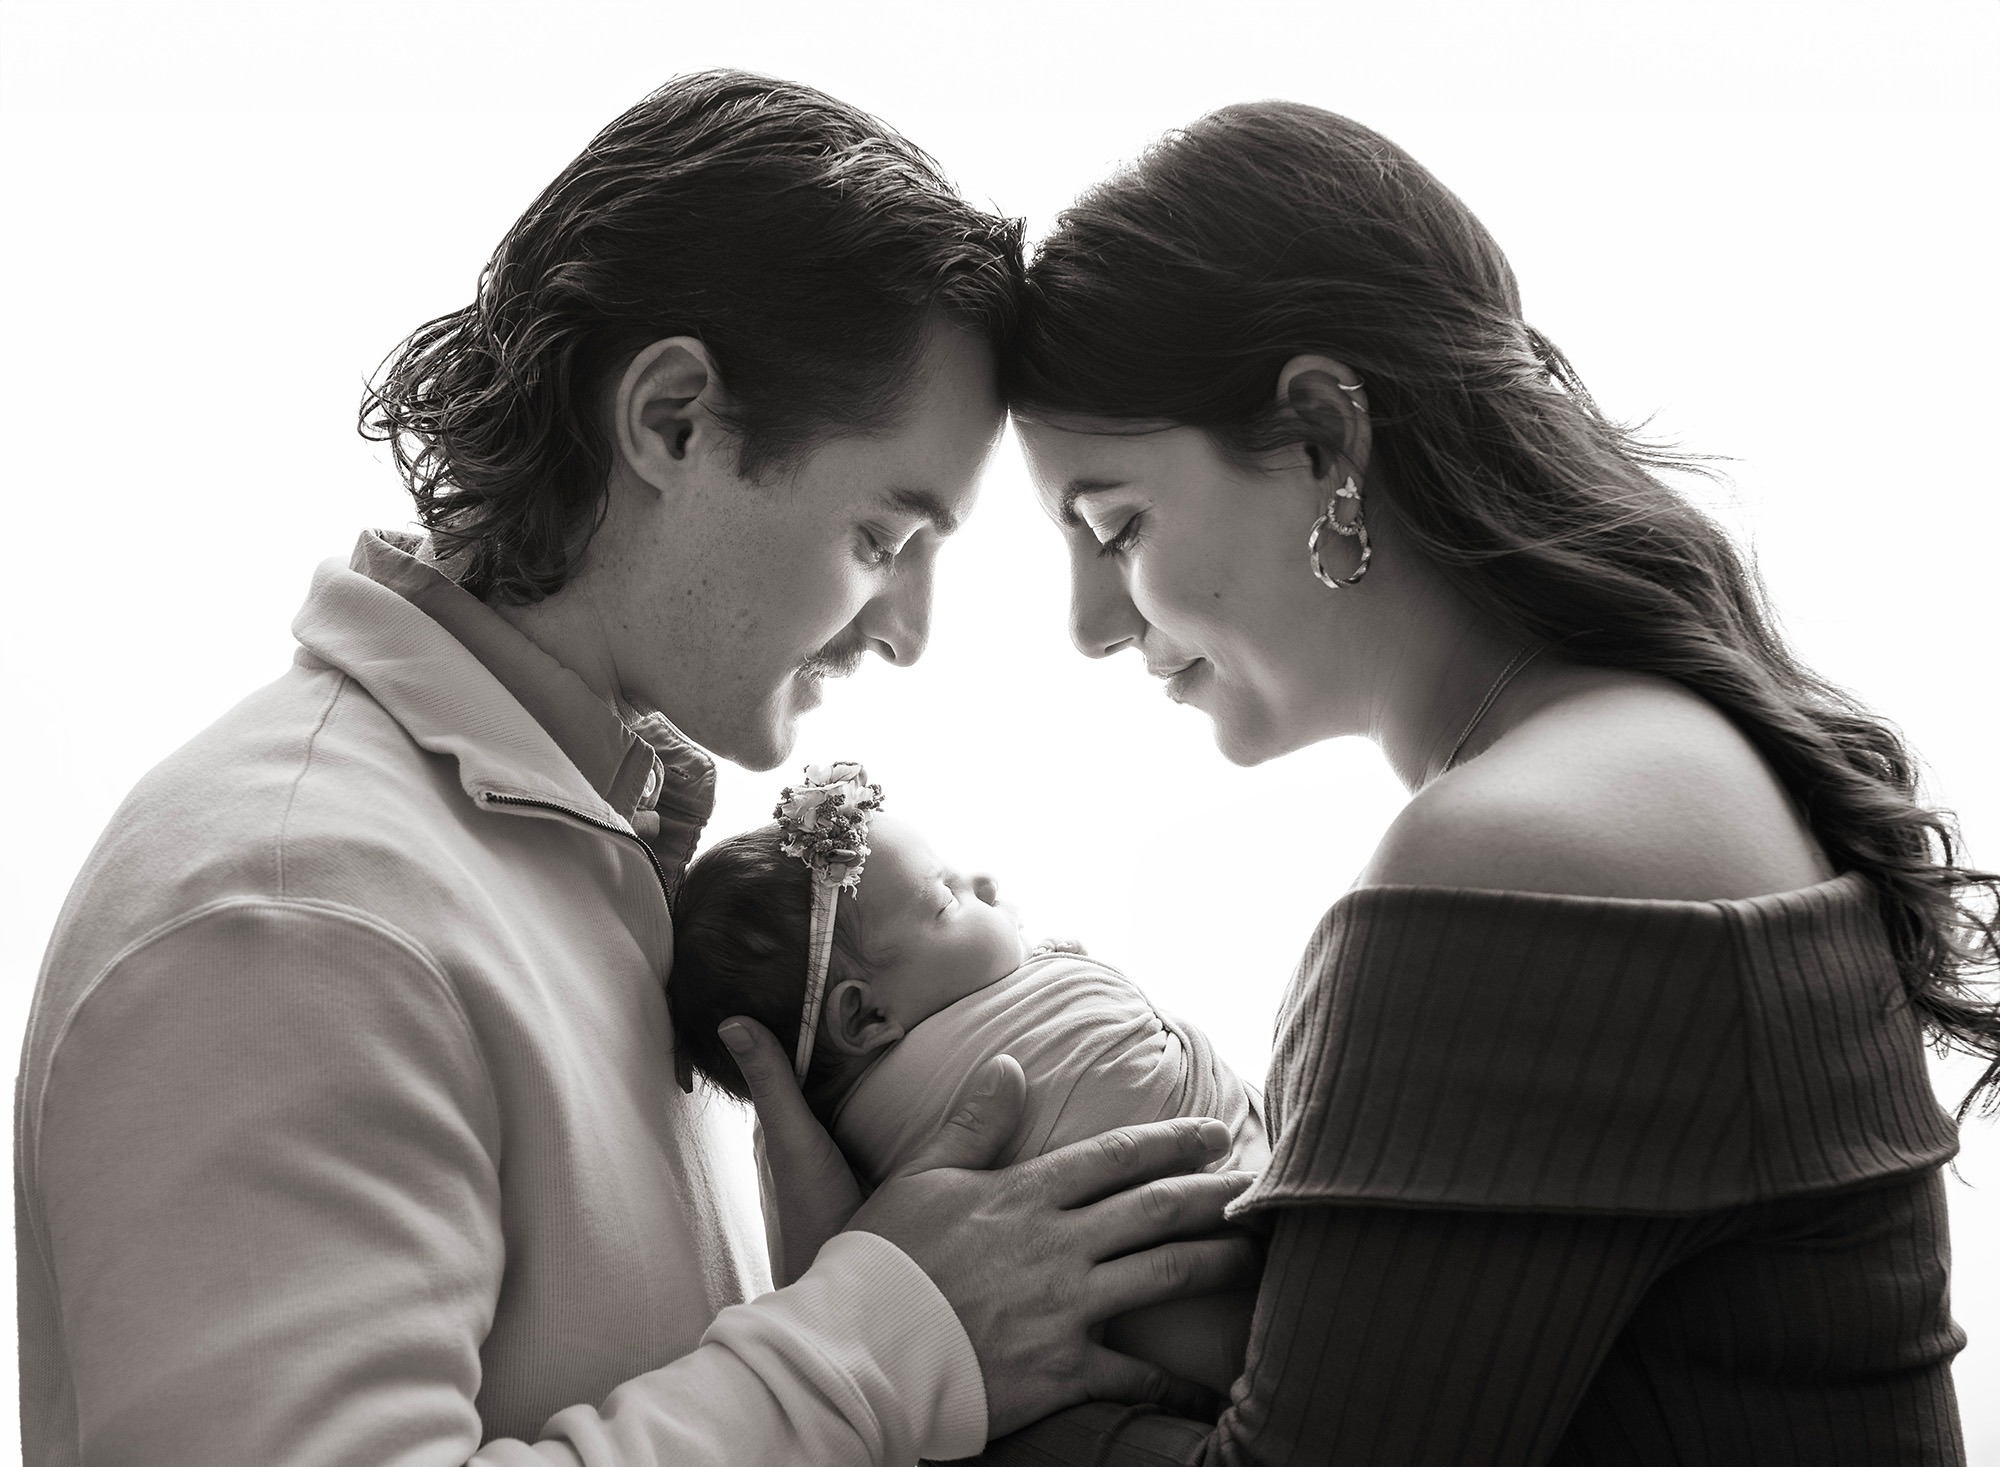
1200	566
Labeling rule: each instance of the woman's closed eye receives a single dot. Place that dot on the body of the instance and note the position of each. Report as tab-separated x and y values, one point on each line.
1120	540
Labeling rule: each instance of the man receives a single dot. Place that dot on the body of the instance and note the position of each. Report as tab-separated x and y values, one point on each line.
347	1129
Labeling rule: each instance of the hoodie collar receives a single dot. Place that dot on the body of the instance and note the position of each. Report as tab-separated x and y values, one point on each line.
463	681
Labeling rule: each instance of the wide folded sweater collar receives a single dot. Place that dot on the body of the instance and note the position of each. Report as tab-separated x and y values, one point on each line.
462	681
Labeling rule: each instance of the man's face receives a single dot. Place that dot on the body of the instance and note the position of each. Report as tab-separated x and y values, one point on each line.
744	596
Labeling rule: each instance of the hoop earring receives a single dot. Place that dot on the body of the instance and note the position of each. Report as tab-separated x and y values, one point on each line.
1342	516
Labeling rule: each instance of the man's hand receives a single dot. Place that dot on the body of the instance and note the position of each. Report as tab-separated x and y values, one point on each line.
809	1190
1032	1256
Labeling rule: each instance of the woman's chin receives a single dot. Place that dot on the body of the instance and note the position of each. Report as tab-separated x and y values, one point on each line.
1242	746
1245	739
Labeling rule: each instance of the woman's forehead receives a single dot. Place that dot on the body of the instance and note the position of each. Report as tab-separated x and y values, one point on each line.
1065	460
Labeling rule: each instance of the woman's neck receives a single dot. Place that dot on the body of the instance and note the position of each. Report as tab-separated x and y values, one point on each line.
1434	680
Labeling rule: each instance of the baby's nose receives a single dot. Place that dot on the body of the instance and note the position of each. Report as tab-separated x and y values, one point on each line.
985	888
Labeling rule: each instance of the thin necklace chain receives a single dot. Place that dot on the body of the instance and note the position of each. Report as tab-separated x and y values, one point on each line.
1507	674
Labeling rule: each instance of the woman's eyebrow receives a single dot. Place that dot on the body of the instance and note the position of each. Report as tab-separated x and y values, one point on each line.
1076	489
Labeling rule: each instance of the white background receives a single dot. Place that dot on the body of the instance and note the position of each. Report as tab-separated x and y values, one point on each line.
1768	227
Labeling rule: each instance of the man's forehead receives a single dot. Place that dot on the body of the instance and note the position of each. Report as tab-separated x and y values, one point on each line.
926	504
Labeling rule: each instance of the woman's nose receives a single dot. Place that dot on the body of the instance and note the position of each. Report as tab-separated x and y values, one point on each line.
1102	618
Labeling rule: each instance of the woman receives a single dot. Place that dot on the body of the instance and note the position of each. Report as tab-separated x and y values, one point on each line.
1603	1130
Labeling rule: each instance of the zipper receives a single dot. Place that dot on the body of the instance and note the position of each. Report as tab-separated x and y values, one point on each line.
659	871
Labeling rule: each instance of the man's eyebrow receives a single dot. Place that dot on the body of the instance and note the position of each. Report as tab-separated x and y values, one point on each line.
928	505
1075	490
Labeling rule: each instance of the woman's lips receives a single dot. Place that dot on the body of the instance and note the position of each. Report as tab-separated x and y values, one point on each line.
1181	681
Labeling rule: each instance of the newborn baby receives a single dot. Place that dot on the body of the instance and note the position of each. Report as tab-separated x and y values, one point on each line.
927	978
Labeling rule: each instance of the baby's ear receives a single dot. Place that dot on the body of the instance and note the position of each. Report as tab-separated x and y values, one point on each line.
853	1023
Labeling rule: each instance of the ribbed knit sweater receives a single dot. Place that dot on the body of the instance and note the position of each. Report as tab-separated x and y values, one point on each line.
1587	1181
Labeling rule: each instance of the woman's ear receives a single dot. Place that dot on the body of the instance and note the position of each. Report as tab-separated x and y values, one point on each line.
1331	403
854	1025
663	413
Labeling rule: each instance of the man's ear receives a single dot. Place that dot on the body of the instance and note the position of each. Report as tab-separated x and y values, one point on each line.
663	413
854	1024
1331	403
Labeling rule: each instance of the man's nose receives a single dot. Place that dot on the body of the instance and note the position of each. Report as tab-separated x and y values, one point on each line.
897	623
1102	618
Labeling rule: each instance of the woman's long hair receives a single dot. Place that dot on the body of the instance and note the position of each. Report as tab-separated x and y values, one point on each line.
1177	289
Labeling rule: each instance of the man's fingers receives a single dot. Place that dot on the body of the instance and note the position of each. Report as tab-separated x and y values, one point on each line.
1084	1171
1171	1271
1172	1207
1110	1376
983	1119
795	1141
766	1070
809	1192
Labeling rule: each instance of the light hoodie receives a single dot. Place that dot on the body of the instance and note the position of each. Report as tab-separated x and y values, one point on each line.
346	1128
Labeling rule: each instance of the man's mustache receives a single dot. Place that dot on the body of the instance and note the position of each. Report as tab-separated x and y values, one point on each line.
831	661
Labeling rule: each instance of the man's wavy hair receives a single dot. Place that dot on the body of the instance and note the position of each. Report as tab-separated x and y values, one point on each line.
803	242
1176	290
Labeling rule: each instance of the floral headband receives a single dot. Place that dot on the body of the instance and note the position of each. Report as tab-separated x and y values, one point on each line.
825	824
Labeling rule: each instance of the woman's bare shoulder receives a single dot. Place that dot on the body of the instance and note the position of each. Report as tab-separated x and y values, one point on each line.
1629	787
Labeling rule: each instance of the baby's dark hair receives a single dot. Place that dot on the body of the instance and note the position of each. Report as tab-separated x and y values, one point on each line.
742	926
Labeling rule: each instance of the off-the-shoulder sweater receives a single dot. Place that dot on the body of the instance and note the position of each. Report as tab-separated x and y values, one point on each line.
1584	1180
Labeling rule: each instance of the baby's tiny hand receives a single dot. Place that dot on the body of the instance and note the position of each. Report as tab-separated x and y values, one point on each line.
1058	945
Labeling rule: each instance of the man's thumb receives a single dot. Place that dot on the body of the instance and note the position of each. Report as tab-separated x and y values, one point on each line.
983	1119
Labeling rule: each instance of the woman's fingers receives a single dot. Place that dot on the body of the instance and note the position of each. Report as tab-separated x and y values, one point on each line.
1085	1171
983	1119
1110	1376
1171	1271
811	1191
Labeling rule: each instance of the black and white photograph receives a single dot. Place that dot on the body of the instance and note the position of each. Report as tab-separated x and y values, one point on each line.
1071	735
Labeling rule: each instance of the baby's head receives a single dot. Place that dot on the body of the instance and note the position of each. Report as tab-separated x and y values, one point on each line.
914	937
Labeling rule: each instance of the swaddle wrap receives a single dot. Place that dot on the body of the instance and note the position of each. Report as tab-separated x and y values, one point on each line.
1096	1052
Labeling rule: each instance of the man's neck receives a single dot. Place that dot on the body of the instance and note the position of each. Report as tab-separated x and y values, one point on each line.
567	627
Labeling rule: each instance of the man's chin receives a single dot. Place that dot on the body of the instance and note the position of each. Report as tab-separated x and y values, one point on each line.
768	741
764	748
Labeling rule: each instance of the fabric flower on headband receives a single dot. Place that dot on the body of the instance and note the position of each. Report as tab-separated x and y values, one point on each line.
825	821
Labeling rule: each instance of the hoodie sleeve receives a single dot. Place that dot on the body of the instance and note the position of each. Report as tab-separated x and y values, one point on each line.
262	1201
